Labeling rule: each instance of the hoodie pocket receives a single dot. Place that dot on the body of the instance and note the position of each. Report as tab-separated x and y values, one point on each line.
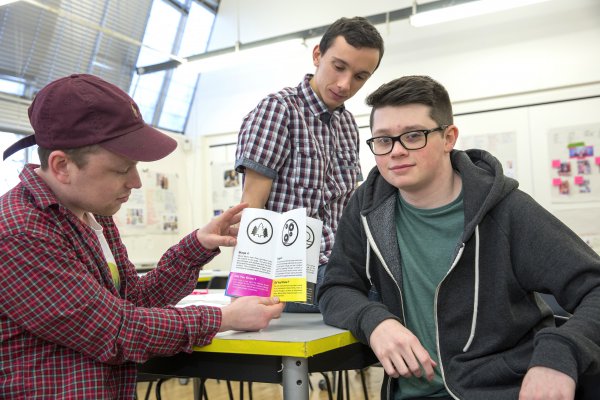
495	372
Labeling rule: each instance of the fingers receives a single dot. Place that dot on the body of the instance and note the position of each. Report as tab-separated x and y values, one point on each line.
236	209
268	300
229	241
250	313
275	310
400	351
215	241
274	306
389	368
425	363
408	366
234	214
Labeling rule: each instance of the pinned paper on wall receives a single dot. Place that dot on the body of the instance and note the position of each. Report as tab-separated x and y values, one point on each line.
502	145
153	208
227	186
574	154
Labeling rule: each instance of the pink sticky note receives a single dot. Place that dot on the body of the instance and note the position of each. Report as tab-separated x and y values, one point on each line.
556	182
597	160
579	180
556	163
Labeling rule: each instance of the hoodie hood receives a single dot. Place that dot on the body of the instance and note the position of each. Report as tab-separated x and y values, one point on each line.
484	181
482	178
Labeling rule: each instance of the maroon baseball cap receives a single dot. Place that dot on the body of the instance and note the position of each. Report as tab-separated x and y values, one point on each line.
83	110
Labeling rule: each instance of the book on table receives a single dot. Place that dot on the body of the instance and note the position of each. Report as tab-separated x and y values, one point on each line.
277	254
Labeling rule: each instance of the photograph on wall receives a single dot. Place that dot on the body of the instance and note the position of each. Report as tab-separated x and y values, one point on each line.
575	163
227	186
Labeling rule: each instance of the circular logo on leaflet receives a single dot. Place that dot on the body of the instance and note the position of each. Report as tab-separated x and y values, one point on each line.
310	237
260	231
290	232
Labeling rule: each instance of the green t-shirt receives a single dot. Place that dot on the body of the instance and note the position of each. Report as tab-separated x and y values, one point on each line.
427	239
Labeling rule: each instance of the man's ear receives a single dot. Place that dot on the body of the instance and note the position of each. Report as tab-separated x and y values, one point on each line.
450	137
60	166
316	55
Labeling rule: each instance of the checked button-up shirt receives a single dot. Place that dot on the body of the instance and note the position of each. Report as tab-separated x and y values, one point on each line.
65	330
311	155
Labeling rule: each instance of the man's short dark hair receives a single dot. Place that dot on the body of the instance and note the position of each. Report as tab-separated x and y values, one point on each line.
414	90
357	31
79	155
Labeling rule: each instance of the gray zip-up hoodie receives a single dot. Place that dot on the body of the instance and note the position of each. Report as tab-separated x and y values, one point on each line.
491	326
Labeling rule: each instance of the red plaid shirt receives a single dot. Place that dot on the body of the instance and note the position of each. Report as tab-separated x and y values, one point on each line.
65	331
311	155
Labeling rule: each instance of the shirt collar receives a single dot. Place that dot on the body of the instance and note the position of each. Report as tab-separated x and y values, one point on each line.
42	195
314	103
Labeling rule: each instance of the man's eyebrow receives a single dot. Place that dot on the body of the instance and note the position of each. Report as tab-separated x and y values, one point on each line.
382	132
409	128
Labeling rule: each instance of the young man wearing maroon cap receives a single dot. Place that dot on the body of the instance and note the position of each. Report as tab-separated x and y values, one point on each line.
75	318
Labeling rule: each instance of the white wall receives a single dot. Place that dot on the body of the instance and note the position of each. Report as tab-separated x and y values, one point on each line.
538	47
538	53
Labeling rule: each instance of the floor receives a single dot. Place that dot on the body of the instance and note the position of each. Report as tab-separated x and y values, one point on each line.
173	389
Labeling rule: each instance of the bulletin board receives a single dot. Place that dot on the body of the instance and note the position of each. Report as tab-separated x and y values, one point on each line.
503	133
153	209
575	163
503	145
550	144
226	182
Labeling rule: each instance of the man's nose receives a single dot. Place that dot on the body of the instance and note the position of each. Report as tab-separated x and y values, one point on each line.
134	181
344	82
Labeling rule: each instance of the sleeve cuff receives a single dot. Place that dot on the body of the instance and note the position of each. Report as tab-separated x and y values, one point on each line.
203	323
243	163
552	352
193	250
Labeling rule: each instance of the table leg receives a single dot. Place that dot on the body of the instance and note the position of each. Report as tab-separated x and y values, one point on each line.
295	378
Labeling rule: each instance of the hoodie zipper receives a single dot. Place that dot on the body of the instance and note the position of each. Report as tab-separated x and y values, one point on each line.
475	305
437	333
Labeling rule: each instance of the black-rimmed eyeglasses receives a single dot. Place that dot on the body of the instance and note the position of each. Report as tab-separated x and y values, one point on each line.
413	140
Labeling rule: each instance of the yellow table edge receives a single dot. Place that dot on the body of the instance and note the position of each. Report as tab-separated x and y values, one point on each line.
279	348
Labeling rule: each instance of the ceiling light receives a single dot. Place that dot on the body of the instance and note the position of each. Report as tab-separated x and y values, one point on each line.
237	57
5	2
466	10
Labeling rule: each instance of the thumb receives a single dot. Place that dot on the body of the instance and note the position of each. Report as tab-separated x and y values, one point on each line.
269	301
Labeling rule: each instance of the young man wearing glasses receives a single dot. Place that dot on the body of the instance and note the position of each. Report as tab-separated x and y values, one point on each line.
299	146
438	258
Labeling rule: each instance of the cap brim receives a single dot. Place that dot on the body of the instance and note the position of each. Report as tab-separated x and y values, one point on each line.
19	145
144	144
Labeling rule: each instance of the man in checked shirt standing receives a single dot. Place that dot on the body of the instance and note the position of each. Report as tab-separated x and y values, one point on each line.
75	318
299	146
